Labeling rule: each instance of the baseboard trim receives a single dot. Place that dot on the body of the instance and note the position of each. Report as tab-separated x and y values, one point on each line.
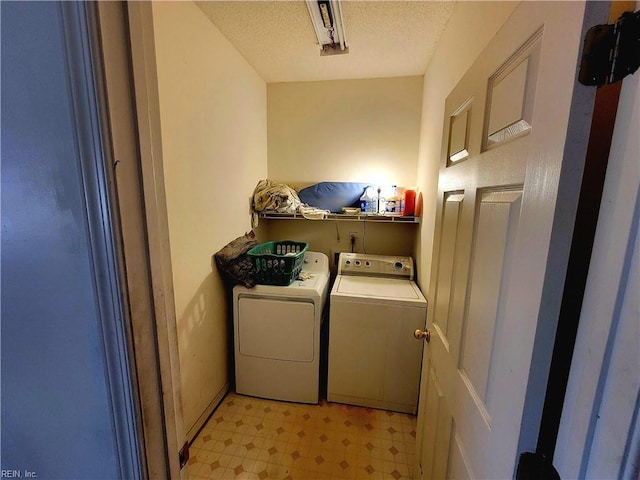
204	417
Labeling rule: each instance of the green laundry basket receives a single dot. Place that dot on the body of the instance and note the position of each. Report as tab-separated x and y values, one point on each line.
278	263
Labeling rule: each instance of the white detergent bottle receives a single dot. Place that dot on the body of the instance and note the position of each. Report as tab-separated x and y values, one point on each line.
366	200
393	201
386	196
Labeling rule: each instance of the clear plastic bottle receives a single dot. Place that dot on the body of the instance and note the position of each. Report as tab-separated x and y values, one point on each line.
367	201
382	201
364	200
373	206
401	195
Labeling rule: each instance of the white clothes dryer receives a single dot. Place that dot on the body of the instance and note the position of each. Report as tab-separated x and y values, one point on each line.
374	359
277	335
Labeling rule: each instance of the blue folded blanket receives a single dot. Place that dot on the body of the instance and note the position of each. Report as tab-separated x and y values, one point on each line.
333	196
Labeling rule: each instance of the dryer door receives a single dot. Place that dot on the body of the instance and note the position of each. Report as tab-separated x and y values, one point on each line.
276	329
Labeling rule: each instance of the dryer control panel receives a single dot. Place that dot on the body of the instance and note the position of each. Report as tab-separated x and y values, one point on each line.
363	264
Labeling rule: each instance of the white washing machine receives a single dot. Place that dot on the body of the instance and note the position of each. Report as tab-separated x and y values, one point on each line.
374	359
277	335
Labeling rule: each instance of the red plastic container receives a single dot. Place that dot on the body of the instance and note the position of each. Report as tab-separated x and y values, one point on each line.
409	203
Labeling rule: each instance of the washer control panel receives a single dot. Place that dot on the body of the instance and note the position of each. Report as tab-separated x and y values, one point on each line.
375	265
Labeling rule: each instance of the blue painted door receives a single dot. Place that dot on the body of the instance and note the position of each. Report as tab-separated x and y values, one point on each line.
57	411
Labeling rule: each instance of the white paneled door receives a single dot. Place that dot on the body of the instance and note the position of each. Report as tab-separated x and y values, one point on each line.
504	136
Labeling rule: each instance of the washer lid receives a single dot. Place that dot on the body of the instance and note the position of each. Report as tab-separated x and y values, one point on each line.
370	288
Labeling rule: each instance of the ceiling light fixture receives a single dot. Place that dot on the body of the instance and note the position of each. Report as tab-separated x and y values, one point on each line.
326	17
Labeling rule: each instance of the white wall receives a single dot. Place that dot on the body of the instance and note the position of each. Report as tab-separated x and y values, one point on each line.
349	131
345	130
329	236
468	31
214	141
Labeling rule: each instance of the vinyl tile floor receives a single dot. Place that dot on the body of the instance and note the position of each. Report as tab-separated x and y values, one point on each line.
252	438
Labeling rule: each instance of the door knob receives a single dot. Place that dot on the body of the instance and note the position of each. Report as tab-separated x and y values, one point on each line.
419	334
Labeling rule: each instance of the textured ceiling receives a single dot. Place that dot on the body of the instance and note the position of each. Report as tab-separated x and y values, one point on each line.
385	38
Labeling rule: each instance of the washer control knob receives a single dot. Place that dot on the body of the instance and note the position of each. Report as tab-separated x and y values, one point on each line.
347	262
357	263
398	265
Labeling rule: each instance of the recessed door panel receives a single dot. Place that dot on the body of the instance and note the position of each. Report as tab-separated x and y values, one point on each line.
276	329
459	467
497	222
447	242
511	94
459	133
